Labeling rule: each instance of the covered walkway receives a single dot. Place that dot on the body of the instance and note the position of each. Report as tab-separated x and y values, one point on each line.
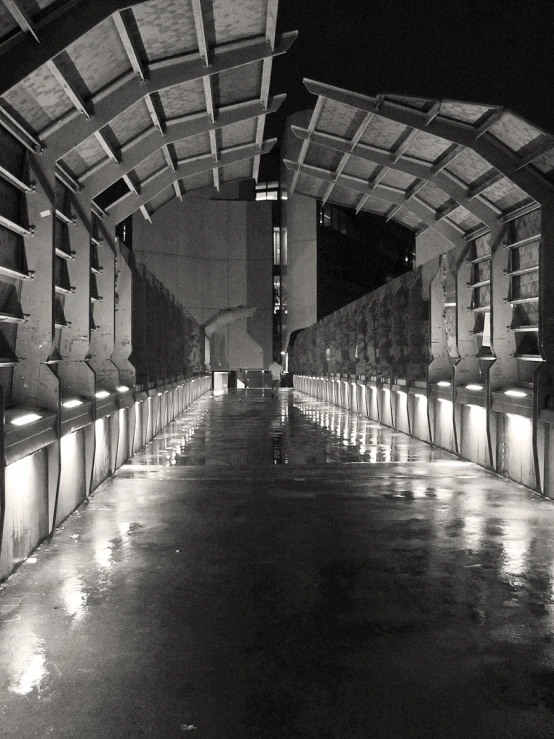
271	569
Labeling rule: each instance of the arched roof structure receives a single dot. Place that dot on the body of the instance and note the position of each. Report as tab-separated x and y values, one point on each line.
459	168
168	95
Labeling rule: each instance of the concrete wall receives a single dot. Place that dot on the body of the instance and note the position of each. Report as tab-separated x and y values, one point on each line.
429	245
301	278
213	255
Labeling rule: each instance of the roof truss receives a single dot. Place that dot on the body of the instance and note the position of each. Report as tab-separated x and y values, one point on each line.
155	184
464	135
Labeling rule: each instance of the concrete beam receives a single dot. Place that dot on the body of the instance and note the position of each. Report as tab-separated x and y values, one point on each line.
71	130
418	208
57	31
127	205
499	156
422	171
133	153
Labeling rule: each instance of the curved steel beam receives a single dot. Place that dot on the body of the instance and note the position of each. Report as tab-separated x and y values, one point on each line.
58	30
418	208
107	172
73	129
498	156
127	205
423	172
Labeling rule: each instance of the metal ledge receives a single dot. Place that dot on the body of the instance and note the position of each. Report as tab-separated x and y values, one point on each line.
73	419
21	441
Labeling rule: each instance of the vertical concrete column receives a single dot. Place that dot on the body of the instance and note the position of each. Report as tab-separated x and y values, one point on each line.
34	383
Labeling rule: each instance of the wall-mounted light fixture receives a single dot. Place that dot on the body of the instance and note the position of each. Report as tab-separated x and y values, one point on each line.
25	419
123	389
474	386
515	393
102	394
444	383
72	403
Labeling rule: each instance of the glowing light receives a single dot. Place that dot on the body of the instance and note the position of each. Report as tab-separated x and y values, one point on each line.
386	389
74	597
401	392
444	383
420	395
162	393
123	389
474	386
72	403
515	393
444	400
32	675
102	394
25	419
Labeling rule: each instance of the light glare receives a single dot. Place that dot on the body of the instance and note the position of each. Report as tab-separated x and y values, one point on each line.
102	394
25	419
72	403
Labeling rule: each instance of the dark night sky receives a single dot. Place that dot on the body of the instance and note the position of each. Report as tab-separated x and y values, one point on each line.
490	51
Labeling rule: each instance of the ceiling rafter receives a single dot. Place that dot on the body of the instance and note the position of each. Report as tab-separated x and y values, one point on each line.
497	154
306	143
156	118
267	66
69	89
393	212
538	151
21	17
108	149
177	188
57	32
447	158
204	50
488	120
69	131
486	213
346	156
433	112
134	188
126	40
144	210
104	174
491	179
168	158
445	210
421	210
153	185
414	189
405	145
260	126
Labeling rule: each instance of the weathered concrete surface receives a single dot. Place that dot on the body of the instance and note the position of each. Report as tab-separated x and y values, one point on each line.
396	599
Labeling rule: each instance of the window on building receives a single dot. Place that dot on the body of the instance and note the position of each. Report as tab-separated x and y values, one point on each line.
276	294
267	191
276	246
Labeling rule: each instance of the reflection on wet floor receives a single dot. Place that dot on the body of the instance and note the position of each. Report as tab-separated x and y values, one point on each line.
246	428
412	599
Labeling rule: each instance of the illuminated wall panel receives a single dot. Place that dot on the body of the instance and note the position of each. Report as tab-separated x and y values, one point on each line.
26	516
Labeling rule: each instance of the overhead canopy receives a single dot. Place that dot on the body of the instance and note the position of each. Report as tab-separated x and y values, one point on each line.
141	90
458	168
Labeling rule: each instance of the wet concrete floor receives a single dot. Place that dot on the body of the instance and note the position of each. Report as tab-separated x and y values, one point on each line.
269	569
